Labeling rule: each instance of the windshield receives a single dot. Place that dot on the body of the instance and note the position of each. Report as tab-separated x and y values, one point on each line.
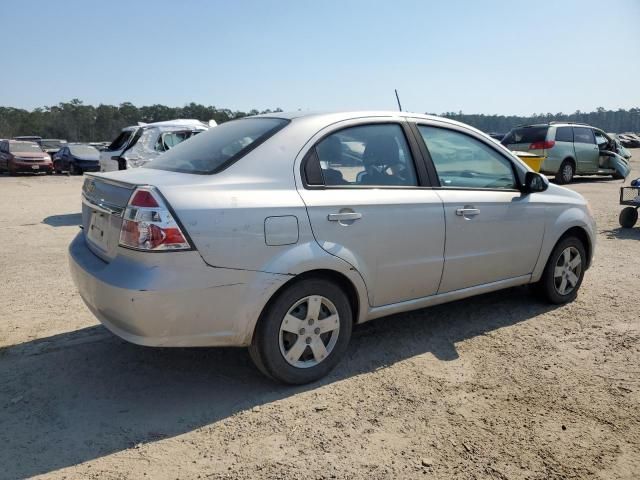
84	151
525	135
213	150
18	147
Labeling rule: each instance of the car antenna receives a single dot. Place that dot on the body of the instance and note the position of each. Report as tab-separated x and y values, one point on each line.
398	99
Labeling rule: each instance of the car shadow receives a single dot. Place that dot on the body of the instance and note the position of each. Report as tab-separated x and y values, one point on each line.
623	233
81	395
66	220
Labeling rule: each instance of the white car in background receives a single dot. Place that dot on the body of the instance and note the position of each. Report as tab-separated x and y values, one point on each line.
137	145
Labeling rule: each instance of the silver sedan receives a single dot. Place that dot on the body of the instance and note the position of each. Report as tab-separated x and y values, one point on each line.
280	232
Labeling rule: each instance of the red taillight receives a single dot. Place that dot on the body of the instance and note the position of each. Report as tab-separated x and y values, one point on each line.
149	225
143	198
542	145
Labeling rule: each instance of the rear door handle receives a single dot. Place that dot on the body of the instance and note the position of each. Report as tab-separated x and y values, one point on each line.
345	216
467	212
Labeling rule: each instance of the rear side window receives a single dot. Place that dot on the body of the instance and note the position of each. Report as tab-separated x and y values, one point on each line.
215	149
525	135
366	155
583	135
564	134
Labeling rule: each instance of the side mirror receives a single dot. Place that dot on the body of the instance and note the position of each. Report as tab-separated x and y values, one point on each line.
534	182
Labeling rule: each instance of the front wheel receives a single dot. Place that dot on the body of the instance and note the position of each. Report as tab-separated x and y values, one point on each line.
304	333
564	271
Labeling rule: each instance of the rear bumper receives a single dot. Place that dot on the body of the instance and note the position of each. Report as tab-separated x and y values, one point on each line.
169	299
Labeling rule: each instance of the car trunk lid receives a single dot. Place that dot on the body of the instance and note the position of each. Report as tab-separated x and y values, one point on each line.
105	197
103	202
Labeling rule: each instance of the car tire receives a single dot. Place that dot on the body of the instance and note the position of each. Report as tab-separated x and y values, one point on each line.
73	170
557	285
318	343
565	173
617	176
628	217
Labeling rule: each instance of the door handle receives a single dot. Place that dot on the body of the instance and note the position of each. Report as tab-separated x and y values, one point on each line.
345	216
467	212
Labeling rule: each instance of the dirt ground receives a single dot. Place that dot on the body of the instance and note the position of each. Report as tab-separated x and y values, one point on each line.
499	386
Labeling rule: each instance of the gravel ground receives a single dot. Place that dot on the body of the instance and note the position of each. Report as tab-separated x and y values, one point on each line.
498	386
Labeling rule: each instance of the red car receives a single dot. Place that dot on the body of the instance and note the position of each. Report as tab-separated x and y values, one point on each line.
19	156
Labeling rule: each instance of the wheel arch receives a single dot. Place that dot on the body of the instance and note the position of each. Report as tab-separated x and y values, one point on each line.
338	278
577	230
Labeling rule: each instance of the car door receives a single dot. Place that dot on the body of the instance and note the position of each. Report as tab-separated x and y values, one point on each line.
494	232
370	204
587	152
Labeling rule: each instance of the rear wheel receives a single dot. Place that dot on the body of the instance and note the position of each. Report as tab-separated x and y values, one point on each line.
566	172
564	271
628	217
304	333
73	170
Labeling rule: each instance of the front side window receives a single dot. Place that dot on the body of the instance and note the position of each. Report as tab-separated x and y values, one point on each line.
366	155
583	135
462	161
601	140
212	150
169	140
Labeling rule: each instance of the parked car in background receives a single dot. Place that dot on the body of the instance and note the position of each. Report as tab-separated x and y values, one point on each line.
136	146
568	149
100	146
280	232
23	157
628	141
52	145
635	138
77	158
496	136
29	138
621	149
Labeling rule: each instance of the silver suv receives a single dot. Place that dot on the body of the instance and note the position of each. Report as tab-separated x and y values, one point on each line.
281	232
569	149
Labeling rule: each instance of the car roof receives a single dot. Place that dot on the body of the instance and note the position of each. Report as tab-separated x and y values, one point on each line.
337	116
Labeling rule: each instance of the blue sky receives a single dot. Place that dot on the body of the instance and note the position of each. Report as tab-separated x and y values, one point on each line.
505	57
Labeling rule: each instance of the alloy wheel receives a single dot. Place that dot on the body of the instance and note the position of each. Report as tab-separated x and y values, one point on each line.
309	331
568	268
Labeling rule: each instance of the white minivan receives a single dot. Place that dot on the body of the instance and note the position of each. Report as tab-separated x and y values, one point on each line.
137	145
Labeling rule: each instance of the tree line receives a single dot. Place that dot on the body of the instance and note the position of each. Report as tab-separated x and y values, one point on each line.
78	122
616	121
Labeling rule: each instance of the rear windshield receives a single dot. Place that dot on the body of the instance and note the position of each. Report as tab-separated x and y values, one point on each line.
16	147
87	150
525	135
213	150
